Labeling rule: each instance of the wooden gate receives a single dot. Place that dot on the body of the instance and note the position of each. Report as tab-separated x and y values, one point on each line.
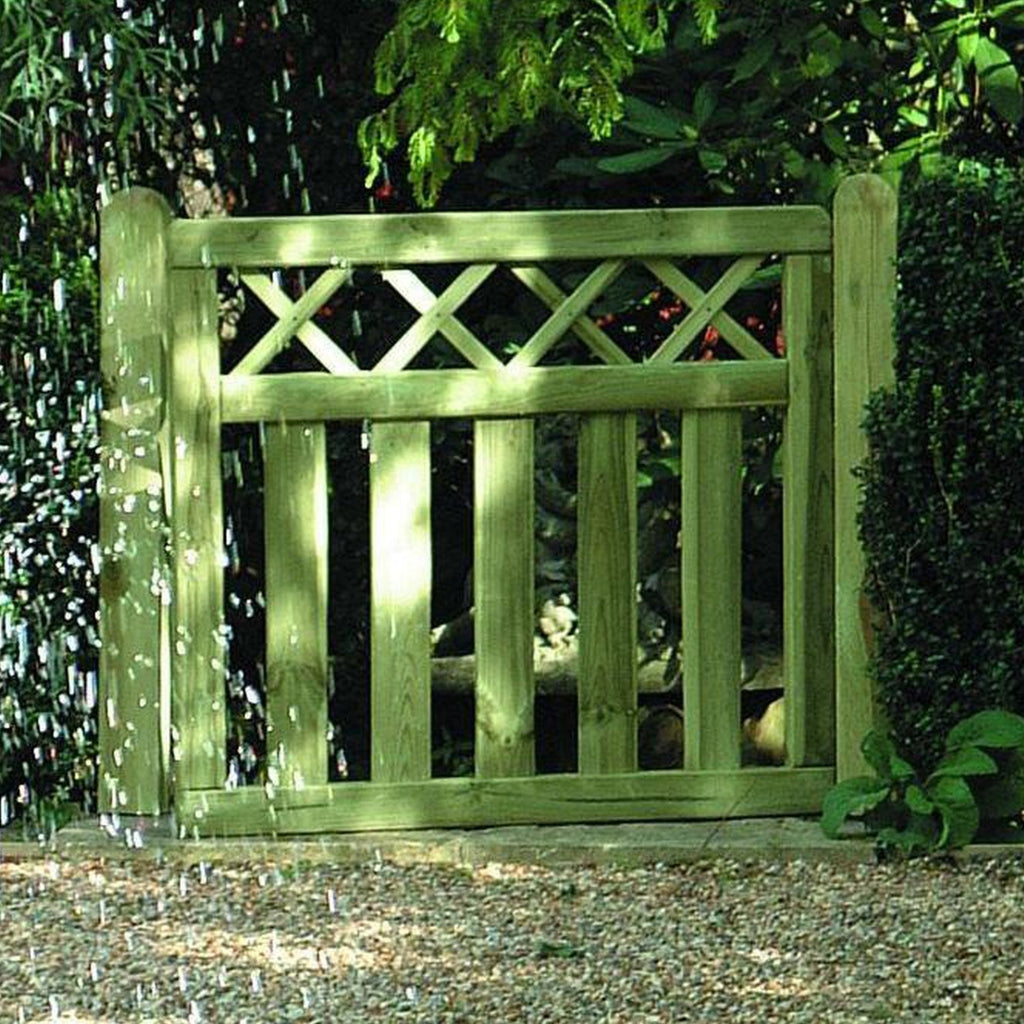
163	723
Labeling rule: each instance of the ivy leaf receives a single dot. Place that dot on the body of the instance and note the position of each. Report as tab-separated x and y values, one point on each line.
850	797
997	729
1000	80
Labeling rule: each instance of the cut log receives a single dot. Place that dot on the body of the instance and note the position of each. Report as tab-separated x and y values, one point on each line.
556	670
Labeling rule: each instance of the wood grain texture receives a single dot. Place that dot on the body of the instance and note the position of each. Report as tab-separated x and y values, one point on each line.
503	575
520	237
606	565
295	531
711	541
807	493
864	281
400	572
464	394
134	693
542	799
197	535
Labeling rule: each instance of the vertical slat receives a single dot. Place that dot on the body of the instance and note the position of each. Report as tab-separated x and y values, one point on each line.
295	528
400	602
503	528
133	691
199	656
711	529
864	269
809	665
606	562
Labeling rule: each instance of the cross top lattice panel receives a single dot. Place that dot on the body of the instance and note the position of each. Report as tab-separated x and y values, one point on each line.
438	316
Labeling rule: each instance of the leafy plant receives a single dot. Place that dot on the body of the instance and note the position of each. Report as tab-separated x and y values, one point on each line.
976	788
944	452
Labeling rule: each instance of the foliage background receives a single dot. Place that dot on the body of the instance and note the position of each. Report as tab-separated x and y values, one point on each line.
259	106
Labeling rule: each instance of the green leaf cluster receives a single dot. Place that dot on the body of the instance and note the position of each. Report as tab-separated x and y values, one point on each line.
80	78
462	72
942	512
977	786
748	98
49	437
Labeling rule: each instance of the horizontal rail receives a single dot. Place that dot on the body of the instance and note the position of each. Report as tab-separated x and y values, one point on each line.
375	239
540	799
479	394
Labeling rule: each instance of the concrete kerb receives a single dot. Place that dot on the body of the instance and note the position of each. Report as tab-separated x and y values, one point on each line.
624	845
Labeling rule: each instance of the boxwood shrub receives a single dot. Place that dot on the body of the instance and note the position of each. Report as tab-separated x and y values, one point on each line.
942	518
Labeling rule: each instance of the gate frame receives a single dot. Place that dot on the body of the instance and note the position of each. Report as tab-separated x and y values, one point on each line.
161	528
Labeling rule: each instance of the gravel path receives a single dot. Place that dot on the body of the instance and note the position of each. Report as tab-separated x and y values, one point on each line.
103	943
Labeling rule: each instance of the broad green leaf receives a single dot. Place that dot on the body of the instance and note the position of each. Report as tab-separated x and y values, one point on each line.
912	115
754	58
1011	13
918	836
963	761
704	102
833	138
879	752
917	801
638	160
872	21
850	797
967	45
960	816
712	161
1000	798
997	729
1000	80
647	119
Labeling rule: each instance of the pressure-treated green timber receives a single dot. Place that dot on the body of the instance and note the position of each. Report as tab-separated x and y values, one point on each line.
197	535
295	528
606	566
542	799
503	529
400	602
133	692
519	237
808	621
864	270
710	536
465	394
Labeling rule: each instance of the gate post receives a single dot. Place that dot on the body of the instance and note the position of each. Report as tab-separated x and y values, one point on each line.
133	679
864	275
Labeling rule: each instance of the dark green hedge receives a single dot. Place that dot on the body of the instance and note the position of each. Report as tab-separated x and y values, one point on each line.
942	518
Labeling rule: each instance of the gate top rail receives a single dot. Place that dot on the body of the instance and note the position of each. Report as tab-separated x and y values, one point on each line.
507	237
